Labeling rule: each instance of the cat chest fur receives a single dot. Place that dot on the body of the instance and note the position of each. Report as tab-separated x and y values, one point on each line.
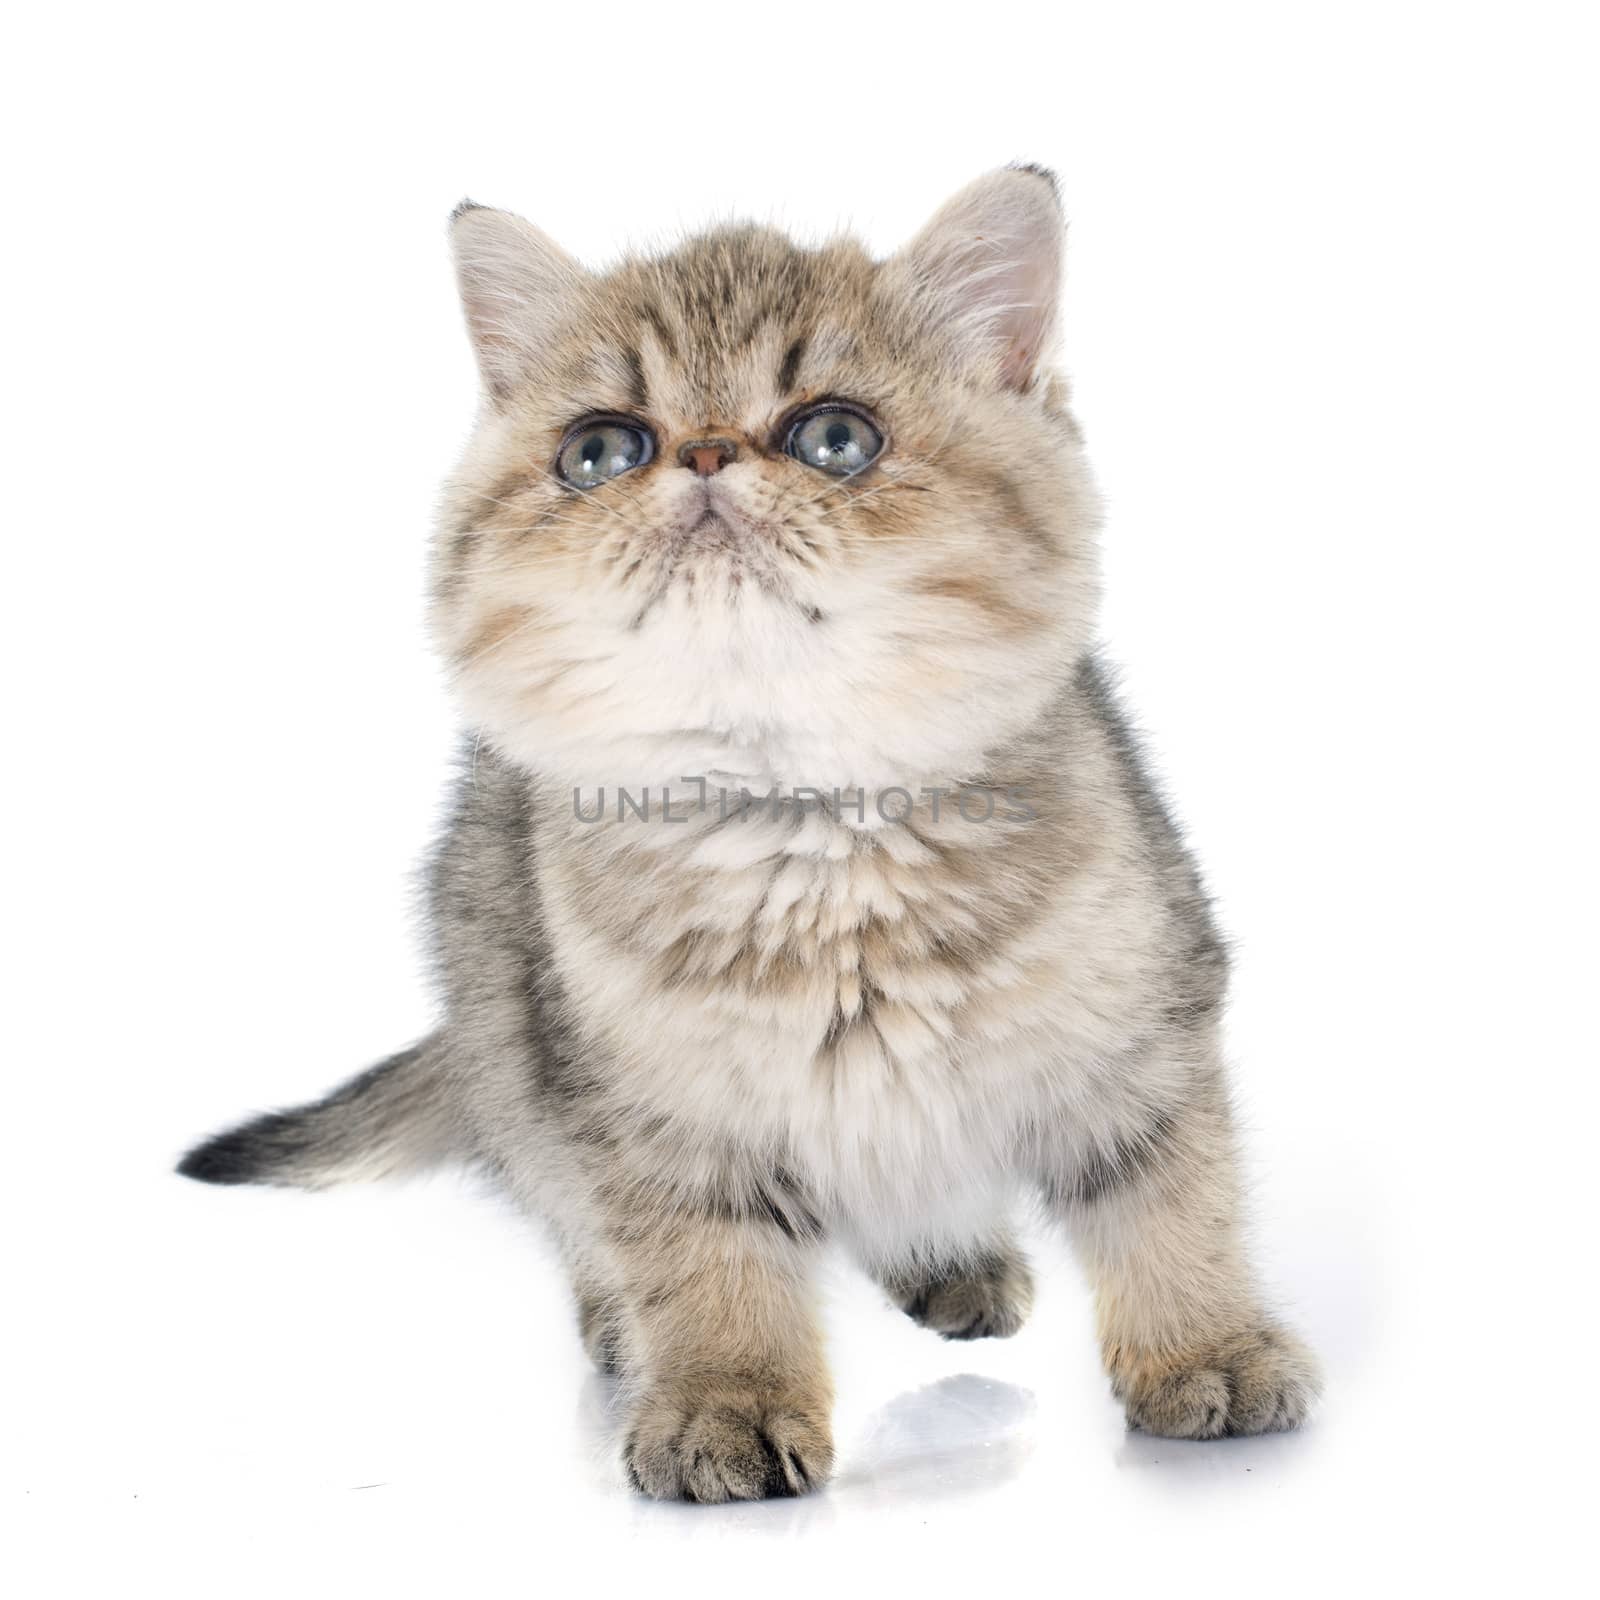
859	999
885	1010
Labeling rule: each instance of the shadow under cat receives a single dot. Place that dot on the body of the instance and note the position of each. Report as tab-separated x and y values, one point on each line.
963	1435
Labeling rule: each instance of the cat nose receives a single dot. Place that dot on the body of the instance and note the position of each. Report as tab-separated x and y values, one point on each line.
707	456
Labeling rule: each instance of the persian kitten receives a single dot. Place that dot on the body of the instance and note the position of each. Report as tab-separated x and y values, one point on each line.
803	883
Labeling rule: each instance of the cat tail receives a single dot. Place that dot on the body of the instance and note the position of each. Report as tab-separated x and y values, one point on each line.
393	1118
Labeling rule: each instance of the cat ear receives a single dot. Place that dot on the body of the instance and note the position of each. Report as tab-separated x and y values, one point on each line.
988	269
516	287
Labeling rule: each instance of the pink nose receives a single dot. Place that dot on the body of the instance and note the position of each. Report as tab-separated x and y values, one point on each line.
707	456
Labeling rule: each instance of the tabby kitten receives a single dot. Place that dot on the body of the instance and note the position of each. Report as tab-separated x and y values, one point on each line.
803	883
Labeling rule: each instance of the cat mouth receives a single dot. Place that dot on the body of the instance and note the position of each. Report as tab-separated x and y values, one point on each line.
713	549
710	528
714	527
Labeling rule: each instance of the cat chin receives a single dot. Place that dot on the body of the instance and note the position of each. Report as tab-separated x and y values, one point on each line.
695	767
766	697
788	747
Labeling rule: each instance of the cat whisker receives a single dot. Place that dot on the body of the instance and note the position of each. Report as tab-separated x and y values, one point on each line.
595	499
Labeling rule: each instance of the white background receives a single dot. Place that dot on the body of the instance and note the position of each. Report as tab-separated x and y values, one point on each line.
1331	320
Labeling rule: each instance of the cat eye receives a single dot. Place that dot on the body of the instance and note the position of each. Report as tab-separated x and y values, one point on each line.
834	439
601	449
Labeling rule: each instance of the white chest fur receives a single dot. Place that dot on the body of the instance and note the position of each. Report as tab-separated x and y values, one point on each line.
893	1007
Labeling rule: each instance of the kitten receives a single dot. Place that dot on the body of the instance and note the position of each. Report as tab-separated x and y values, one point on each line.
803	882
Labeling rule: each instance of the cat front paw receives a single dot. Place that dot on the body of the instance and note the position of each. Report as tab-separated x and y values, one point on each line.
990	1299
1262	1382
709	1443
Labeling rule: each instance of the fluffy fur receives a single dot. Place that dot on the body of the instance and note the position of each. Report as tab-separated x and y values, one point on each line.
698	1045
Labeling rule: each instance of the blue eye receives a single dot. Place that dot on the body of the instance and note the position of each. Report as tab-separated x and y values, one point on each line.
834	440
602	450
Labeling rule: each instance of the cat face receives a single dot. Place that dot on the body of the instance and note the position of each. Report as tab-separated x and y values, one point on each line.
752	509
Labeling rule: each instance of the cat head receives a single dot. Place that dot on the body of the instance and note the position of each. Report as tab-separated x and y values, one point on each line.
756	509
